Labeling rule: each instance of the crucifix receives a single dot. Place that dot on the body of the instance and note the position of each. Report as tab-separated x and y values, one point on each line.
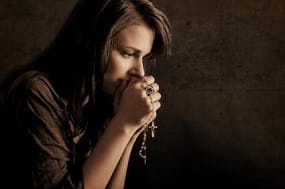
152	127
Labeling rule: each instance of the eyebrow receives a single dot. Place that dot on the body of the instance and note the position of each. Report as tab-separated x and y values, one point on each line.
133	48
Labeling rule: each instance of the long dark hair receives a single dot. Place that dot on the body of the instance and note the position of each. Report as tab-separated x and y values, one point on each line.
76	60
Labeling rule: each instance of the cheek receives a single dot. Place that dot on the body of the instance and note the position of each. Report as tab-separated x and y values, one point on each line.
109	81
116	71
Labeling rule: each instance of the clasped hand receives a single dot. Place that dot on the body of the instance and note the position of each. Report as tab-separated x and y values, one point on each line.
133	105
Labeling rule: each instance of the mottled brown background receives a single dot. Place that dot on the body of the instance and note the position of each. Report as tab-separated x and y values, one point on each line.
222	122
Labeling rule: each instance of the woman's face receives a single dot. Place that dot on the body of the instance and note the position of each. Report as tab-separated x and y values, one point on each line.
132	45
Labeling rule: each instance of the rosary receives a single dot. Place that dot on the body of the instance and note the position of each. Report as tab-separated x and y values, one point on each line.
142	153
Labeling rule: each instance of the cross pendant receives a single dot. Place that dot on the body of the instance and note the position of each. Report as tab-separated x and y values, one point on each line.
152	128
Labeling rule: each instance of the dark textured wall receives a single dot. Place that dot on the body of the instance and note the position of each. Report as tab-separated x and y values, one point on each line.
223	107
224	113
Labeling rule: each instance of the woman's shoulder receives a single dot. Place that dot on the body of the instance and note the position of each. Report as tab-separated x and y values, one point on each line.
32	79
33	84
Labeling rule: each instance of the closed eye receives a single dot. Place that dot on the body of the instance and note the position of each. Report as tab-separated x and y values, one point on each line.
127	55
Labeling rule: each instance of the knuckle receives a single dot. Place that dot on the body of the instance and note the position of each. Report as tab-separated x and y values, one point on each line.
151	78
159	104
154	115
156	86
159	95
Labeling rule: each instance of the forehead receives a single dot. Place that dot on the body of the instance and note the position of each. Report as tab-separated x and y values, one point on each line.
139	36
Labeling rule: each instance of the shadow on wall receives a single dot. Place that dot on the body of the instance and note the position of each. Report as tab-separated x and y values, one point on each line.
185	159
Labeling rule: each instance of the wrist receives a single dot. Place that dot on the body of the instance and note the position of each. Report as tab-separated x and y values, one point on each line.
121	126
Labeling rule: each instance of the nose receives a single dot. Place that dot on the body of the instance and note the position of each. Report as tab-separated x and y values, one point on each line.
138	68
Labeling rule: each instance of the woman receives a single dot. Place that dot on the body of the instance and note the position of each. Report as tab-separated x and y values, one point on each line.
79	108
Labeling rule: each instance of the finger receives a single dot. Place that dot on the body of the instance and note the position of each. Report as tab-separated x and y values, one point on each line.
154	115
156	106
155	97
148	79
134	80
150	89
155	86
